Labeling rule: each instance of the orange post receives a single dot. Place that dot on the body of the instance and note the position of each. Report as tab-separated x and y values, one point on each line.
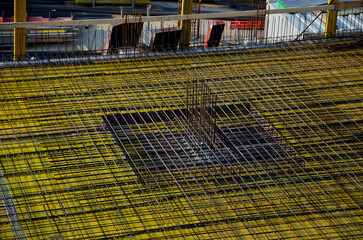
186	25
331	20
19	33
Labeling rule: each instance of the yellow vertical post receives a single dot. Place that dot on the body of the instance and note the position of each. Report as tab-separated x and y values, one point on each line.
19	33
186	25
331	20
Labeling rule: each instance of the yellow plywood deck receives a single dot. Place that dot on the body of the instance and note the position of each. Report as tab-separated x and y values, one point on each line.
4	219
68	175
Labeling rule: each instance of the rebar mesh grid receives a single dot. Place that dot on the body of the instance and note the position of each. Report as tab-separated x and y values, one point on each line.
107	149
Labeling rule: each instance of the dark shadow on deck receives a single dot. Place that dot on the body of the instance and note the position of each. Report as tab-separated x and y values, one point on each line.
173	149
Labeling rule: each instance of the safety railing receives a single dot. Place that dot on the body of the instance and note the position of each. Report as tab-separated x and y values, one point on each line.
138	34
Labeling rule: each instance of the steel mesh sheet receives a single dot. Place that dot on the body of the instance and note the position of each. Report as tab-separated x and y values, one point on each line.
107	149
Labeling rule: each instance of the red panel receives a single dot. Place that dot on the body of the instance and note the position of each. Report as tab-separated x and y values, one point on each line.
247	24
36	19
210	28
9	19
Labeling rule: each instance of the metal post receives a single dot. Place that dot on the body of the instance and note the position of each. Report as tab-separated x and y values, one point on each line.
186	25
19	33
148	10
331	20
93	3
